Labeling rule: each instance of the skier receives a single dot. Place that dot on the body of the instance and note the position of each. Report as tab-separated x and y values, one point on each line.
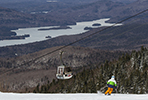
111	84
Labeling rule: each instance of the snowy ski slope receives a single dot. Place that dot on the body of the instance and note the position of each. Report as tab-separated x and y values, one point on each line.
79	96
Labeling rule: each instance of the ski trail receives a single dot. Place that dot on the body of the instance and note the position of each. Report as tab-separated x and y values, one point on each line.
76	96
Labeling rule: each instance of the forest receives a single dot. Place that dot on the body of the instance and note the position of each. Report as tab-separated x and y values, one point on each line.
130	72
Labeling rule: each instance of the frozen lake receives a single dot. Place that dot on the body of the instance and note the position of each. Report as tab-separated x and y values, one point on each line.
39	35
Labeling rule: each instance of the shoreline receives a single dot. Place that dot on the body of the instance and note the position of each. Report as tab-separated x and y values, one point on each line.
37	36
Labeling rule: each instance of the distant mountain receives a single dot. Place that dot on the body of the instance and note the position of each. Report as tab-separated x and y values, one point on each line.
95	10
11	19
104	9
57	14
16	1
124	1
80	1
84	1
100	9
74	11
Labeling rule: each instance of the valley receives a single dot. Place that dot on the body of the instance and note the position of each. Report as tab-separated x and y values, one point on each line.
31	66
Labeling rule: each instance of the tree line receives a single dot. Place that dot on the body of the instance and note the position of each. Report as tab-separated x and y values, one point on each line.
130	72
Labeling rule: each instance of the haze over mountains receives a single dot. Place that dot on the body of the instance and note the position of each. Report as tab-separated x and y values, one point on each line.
65	14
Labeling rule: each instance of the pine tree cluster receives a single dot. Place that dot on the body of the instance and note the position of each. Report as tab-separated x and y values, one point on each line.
130	72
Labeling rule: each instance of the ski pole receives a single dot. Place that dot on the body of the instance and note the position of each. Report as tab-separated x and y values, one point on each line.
116	91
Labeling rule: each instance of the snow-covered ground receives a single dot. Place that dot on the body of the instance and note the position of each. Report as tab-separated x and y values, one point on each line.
97	96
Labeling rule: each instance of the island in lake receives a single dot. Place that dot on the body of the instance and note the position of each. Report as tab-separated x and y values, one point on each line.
48	37
54	28
88	28
14	37
96	24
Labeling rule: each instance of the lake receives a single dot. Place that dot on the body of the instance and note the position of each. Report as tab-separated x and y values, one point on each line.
40	35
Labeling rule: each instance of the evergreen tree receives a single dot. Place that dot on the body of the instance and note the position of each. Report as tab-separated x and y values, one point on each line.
128	74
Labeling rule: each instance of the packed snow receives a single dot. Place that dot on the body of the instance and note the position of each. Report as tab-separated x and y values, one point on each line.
74	96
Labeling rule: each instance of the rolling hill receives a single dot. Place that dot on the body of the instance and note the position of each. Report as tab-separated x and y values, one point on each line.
63	13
